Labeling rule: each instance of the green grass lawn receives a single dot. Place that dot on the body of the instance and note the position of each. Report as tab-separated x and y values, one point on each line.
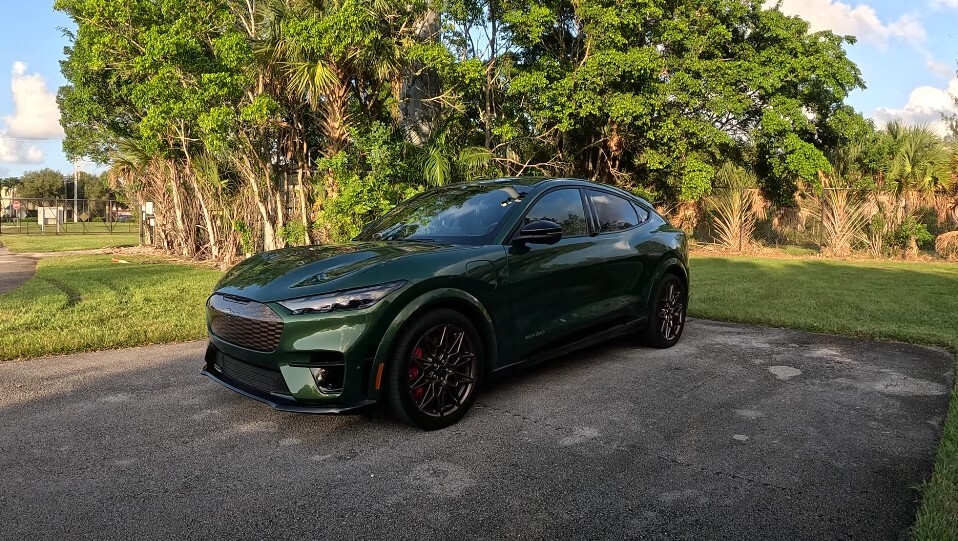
84	303
911	302
32	228
61	243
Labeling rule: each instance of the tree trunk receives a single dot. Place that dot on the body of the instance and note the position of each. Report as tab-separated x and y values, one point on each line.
302	204
912	251
336	116
208	221
269	233
186	247
279	196
417	116
491	72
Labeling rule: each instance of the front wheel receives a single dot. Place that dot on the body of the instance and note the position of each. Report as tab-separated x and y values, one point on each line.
436	370
667	313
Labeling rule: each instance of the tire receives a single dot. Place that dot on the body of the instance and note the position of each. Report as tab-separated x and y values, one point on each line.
435	370
666	313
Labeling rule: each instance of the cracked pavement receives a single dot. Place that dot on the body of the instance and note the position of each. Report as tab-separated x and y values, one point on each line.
738	432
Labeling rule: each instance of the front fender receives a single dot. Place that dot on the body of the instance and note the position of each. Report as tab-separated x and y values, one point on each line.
433	297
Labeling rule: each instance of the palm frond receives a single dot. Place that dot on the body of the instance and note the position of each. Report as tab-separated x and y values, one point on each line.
437	167
310	79
735	206
473	159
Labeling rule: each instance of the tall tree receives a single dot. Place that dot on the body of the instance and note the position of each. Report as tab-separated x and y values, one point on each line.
43	184
658	93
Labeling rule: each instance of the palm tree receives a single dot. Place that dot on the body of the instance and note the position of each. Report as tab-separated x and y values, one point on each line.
735	206
329	52
328	61
442	162
919	169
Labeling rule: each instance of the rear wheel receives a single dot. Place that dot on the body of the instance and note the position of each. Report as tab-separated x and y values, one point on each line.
667	313
435	370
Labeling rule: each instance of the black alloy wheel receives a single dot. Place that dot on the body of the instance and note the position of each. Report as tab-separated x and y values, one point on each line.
667	313
436	370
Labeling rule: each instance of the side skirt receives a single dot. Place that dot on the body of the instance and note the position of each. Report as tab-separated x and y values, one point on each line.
598	337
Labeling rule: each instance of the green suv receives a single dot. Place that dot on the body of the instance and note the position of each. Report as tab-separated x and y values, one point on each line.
449	288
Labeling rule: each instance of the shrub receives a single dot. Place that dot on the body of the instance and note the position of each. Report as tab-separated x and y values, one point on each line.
246	236
946	245
293	232
911	230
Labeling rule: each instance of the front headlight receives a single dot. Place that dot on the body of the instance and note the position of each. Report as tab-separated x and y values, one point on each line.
351	299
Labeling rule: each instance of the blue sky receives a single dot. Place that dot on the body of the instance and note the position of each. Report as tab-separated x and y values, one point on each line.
907	52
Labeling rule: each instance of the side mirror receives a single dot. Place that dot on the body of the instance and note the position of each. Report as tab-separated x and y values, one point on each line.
540	232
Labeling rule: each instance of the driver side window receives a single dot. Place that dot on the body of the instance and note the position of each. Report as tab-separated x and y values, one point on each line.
563	207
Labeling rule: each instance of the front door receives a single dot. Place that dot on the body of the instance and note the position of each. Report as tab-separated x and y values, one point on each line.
552	286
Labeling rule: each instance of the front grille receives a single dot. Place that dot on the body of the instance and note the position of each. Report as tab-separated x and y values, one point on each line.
245	323
261	379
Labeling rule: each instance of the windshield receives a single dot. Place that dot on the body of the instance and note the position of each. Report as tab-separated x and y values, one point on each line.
467	214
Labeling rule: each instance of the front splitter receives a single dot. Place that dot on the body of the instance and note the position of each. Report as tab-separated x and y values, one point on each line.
287	404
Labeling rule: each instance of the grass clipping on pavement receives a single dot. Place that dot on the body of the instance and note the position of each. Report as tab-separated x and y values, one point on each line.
910	302
85	303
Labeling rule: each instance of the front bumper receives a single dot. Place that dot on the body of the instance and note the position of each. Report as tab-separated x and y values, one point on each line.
279	401
282	371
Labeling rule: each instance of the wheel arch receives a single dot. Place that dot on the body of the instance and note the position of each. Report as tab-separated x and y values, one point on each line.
670	264
454	299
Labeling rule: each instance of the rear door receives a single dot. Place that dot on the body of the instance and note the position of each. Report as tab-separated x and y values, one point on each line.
624	253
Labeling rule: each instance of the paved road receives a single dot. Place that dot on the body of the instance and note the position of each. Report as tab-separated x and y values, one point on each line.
737	433
15	269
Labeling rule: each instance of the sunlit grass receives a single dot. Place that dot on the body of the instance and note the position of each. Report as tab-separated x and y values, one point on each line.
912	302
84	303
61	243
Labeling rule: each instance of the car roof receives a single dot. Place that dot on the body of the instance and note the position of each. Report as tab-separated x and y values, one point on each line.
530	183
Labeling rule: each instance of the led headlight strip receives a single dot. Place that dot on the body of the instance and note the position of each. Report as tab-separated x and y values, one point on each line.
350	299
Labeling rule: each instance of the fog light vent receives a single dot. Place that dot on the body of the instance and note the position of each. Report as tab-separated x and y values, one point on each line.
329	378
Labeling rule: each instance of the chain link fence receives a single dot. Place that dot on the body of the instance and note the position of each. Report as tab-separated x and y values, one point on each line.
25	216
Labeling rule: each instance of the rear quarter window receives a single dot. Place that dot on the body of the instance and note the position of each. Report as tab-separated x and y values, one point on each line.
614	213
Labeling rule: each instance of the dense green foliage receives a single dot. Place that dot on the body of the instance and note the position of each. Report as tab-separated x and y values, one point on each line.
266	112
42	184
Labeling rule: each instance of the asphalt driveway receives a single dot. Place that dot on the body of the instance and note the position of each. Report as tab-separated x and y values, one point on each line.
737	433
15	269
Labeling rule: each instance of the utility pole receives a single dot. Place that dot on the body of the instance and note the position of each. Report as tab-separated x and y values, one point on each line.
76	188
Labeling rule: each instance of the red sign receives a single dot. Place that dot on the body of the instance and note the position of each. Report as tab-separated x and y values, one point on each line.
16	205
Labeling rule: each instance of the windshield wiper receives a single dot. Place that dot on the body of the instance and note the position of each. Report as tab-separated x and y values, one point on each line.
409	239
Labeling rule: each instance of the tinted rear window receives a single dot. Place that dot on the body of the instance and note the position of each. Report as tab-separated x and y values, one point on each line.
614	213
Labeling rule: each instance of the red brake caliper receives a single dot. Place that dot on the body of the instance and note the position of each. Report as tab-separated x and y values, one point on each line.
414	373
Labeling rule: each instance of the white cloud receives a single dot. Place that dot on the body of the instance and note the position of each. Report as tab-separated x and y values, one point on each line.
940	68
17	151
944	3
35	116
861	21
926	104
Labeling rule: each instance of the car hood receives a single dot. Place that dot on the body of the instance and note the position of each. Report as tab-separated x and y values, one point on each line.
308	270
